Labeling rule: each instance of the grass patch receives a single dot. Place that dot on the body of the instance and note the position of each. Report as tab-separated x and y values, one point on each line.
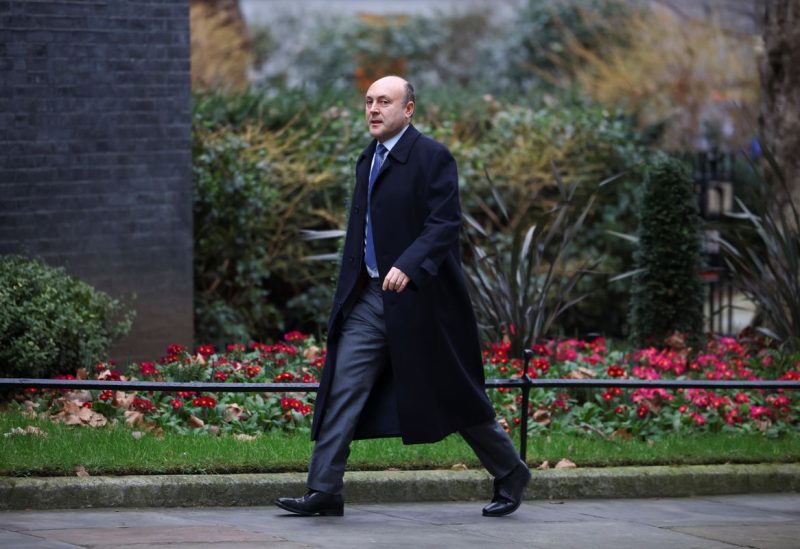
114	451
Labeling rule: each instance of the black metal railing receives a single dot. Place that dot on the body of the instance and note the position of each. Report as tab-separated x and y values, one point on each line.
523	383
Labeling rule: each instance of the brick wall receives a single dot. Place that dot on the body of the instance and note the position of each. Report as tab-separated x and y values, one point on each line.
95	152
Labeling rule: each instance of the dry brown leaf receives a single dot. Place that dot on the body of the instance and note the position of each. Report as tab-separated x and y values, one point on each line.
134	418
155	430
81	471
81	373
214	430
621	434
311	353
78	396
137	435
565	464
244	437
30	406
123	399
581	373
29	430
72	419
195	422
232	413
545	465
542	416
459	467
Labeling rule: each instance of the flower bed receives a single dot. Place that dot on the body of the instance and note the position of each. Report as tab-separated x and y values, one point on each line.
645	412
614	412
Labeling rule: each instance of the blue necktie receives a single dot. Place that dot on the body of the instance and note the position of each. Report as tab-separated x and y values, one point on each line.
369	251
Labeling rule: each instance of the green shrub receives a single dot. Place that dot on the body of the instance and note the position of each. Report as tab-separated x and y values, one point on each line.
269	166
52	323
667	293
256	190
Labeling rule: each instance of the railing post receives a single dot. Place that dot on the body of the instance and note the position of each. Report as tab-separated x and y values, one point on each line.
523	420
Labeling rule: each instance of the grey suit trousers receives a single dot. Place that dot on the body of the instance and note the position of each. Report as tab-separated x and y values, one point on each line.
361	356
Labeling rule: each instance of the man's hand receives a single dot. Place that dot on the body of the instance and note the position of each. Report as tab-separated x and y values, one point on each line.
396	280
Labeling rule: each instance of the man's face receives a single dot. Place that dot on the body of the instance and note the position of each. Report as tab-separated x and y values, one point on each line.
386	109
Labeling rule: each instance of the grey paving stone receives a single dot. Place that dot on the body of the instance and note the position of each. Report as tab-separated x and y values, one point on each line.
161	535
761	536
667	511
90	518
15	540
775	503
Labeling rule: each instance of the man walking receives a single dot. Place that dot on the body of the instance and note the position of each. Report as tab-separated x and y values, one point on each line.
404	357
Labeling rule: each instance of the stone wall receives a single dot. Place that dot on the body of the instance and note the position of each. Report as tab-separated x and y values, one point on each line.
95	152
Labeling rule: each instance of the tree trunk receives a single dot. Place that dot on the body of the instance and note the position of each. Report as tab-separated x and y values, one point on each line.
780	84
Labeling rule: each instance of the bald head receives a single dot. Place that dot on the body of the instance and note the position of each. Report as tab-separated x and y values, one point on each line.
389	104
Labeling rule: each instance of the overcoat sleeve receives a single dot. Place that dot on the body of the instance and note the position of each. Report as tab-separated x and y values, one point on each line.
440	233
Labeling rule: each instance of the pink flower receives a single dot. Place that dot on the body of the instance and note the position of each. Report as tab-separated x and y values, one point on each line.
759	411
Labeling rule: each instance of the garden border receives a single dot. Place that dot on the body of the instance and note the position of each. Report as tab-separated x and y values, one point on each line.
524	383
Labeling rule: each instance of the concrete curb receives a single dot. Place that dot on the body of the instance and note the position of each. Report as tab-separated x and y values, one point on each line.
392	486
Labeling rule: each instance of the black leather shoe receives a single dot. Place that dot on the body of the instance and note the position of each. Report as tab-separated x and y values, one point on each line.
314	503
508	492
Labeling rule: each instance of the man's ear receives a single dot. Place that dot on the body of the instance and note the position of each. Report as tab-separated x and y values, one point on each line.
410	109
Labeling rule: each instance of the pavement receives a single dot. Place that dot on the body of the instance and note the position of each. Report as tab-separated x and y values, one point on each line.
734	521
715	506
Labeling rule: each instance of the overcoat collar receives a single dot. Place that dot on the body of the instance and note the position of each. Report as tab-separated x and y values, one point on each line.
399	152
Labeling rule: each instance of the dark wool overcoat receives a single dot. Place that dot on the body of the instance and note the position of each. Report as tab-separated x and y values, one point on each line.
433	384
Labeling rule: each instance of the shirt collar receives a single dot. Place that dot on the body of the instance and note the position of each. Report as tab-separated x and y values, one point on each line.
391	142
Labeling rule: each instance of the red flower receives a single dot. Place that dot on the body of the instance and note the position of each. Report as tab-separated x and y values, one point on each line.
295	336
106	395
309	378
142	404
253	371
205	350
642	411
284	376
176	403
541	349
87	404
186	394
220	376
148	369
615	370
541	364
288	403
205	402
235	347
113	375
175	349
